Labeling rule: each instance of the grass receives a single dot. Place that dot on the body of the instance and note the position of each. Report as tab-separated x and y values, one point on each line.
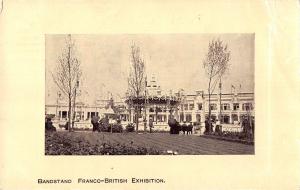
83	143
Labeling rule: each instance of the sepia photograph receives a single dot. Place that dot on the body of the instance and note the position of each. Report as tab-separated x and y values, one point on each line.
150	94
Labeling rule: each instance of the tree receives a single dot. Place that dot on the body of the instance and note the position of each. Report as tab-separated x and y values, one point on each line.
215	65
136	79
67	74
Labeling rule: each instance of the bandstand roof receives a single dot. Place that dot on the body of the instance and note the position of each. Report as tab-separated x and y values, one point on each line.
109	111
172	100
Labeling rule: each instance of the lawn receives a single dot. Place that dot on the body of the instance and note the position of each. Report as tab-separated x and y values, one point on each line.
84	143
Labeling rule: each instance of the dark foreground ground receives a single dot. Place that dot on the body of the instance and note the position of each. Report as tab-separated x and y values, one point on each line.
64	143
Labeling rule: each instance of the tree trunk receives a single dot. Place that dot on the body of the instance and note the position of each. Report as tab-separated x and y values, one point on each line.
74	113
145	119
137	118
69	114
209	115
209	109
70	89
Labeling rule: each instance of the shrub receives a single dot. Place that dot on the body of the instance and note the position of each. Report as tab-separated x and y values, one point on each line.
234	135
104	125
130	127
174	125
60	145
160	131
116	128
48	125
67	125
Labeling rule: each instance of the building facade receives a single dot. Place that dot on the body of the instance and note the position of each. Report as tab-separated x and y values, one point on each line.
230	108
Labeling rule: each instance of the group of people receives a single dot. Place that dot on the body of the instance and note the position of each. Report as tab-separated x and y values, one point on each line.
209	127
176	127
247	126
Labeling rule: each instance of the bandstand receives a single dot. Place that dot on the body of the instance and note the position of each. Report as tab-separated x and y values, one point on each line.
156	108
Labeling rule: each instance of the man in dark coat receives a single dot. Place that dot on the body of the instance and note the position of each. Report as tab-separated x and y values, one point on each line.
150	125
206	126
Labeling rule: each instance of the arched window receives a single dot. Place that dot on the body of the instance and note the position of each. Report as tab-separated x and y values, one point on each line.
247	106
213	106
191	106
158	109
199	106
225	107
236	106
188	118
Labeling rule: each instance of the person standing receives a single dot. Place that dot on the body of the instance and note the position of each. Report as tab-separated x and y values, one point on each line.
218	126
206	126
150	125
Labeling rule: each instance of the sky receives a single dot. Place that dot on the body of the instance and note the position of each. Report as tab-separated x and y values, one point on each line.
176	60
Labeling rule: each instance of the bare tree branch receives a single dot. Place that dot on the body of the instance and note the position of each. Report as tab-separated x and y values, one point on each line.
136	77
215	65
67	72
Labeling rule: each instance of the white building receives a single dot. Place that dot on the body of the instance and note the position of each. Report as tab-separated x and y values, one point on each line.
159	107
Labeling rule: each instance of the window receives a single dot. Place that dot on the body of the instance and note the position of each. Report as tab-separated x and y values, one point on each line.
159	118
213	106
200	106
191	106
247	106
64	114
236	106
234	117
164	118
198	118
158	109
186	107
181	117
213	117
188	117
225	107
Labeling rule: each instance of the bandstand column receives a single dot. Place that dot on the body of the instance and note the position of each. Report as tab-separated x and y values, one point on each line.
86	114
167	114
176	114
